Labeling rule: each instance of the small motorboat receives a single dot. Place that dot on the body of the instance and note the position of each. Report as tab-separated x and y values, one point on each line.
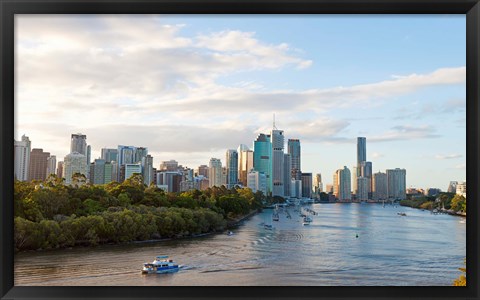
161	264
230	233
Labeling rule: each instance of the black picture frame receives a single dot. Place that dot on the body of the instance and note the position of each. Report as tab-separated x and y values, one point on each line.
471	8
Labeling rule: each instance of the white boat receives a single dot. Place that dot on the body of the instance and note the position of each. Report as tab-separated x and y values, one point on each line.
230	233
306	223
268	226
161	264
307	219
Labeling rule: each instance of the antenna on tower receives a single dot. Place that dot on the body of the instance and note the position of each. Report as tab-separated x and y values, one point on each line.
274	121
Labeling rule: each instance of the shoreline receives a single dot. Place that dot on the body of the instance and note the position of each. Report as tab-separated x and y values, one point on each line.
230	224
441	211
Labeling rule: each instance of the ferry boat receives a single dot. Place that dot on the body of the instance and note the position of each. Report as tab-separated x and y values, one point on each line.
161	264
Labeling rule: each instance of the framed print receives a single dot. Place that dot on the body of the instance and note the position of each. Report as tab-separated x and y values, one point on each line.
239	150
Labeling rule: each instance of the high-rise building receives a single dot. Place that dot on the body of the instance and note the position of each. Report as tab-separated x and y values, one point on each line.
380	187
108	173
78	144
170	179
366	171
294	151
462	189
22	158
109	154
231	160
97	171
295	188
355	175
74	163
60	169
215	172
287	174
307	185
131	169
452	187
278	144
342	184
51	165
257	181
147	169
362	186
317	184
245	163
37	169
140	153
202	171
396	184
361	152
262	158
170	165
126	155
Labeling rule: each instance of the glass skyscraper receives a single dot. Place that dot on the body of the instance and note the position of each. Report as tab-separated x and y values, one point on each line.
262	158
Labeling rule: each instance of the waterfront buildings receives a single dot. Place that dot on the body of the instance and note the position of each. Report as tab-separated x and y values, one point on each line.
257	181
126	155
147	169
362	188
109	154
380	188
202	171
295	155
461	189
22	158
307	185
366	171
245	163
287	174
452	187
295	188
342	185
97	172
262	158
131	169
215	172
396	184
169	180
361	152
170	165
37	169
317	184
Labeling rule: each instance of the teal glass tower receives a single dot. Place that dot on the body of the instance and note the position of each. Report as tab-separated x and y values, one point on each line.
262	158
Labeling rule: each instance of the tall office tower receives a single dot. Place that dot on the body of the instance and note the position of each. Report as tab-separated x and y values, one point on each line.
396	184
140	153
287	173
115	171
361	152
60	169
257	181
22	158
97	171
109	154
278	142
147	169
37	170
262	158
317	184
108	172
452	187
354	179
366	171
342	184
294	151
380	186
78	144
362	185
307	185
295	188
170	165
126	155
231	161
188	174
224	176
215	172
74	163
89	155
242	174
245	160
202	171
51	165
170	180
131	169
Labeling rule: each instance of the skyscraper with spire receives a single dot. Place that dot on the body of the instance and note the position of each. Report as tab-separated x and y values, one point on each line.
278	142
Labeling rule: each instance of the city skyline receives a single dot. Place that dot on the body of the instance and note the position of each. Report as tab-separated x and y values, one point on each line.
228	78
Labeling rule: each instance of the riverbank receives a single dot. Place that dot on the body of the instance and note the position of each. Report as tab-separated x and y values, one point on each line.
237	221
439	211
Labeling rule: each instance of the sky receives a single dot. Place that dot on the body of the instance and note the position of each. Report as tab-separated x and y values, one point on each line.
189	87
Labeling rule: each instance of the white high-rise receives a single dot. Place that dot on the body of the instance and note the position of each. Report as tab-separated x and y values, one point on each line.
257	181
396	184
278	142
51	165
215	172
342	184
22	158
74	163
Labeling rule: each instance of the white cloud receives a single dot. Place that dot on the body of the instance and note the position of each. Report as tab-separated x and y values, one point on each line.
448	156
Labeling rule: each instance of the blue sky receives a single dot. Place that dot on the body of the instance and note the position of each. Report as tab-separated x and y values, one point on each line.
191	87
